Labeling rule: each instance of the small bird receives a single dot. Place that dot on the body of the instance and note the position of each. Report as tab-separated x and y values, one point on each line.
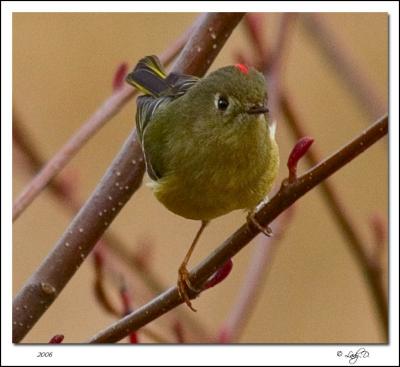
207	142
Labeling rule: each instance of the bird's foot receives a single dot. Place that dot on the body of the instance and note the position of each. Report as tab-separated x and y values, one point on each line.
251	220
184	284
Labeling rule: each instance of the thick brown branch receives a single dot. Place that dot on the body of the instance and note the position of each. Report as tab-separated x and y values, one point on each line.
206	41
286	196
107	200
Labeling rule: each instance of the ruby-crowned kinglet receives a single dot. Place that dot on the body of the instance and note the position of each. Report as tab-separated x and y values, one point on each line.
207	143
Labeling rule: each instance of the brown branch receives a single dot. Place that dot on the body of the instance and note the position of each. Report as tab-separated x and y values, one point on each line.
286	196
60	189
40	291
110	107
343	219
345	65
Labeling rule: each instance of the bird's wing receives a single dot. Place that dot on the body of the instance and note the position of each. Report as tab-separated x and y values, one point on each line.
147	106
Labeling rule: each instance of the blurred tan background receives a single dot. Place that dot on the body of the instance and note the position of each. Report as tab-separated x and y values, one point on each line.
63	66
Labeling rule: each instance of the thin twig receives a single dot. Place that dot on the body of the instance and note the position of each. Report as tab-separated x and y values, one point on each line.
253	23
286	196
40	291
177	330
252	284
343	219
273	67
345	65
59	187
109	108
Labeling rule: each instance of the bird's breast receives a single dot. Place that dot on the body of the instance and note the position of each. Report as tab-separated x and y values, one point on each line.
211	177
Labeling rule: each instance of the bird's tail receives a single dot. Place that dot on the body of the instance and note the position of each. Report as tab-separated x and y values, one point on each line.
149	76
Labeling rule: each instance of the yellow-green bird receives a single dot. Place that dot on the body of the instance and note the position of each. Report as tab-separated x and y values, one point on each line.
208	145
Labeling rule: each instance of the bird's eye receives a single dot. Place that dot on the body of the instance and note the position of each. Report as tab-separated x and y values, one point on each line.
222	103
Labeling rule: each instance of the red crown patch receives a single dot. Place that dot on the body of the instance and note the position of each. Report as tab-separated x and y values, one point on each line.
242	68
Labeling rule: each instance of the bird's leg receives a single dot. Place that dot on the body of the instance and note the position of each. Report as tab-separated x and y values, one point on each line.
183	274
251	220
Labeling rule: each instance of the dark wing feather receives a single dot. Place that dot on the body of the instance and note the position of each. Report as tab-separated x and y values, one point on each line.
146	106
149	77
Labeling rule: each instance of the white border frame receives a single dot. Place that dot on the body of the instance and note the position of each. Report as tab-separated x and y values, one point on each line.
277	355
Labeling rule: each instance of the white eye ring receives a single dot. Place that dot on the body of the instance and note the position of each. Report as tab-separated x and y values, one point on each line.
221	102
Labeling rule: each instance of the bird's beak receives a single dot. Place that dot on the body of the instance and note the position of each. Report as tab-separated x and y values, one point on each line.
256	110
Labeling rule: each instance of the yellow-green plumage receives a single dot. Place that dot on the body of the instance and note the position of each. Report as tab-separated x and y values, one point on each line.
207	162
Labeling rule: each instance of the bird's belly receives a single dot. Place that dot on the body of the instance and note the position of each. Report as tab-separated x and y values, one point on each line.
219	189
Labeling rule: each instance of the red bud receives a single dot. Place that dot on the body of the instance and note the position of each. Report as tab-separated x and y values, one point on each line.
219	275
299	150
56	339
